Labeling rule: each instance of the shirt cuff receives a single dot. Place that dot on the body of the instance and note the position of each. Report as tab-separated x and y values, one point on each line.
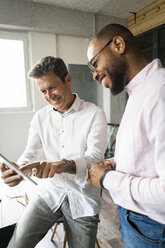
103	176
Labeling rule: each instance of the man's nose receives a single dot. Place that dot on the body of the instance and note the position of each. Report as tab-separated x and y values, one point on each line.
49	94
95	75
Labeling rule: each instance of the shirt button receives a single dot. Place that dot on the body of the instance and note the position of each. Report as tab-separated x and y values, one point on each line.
62	131
63	146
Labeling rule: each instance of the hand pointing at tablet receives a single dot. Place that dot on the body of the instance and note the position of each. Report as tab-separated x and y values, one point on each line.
47	169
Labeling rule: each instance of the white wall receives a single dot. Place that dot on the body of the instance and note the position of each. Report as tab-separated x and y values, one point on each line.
40	45
73	50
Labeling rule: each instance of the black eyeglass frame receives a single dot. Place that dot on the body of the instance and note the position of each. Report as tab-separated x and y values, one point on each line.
91	66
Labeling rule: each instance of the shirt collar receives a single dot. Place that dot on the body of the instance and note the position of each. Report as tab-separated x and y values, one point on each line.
143	76
75	105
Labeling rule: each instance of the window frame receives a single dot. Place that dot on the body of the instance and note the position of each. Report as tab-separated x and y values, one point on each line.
12	35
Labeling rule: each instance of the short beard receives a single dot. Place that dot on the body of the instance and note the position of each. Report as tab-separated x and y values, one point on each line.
117	79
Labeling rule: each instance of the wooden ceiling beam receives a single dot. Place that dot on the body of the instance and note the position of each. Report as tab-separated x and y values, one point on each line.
147	18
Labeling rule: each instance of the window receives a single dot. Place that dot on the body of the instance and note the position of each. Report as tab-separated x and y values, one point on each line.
14	90
152	43
146	43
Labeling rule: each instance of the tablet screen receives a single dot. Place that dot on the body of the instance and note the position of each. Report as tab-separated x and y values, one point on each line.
15	168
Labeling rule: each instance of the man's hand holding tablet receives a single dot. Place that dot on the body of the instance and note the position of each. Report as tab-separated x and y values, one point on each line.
11	173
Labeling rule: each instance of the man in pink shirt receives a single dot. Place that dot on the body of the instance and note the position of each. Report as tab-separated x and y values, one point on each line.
135	177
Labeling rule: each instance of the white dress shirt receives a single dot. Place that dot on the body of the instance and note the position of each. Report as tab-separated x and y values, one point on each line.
80	135
138	184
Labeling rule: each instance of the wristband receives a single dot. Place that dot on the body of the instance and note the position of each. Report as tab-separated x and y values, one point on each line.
103	176
68	164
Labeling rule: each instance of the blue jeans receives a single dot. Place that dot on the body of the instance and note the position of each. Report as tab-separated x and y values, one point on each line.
139	231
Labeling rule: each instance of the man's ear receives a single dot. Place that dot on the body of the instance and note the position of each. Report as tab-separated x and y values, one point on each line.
119	44
68	80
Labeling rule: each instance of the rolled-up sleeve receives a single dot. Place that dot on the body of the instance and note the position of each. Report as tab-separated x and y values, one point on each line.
96	141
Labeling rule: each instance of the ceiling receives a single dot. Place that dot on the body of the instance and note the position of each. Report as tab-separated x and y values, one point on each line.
117	8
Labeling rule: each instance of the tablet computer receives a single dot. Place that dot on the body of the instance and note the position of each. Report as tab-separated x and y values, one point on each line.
15	168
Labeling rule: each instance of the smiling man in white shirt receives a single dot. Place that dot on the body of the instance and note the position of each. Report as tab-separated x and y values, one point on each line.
72	134
136	179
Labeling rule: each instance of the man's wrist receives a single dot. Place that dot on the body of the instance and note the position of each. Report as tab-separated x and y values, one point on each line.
103	176
68	165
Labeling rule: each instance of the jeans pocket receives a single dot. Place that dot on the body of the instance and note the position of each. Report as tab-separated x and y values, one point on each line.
144	228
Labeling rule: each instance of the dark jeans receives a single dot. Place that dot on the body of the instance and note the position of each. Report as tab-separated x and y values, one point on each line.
139	231
5	235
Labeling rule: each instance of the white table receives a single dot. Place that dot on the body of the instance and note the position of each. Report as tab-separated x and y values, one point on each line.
10	209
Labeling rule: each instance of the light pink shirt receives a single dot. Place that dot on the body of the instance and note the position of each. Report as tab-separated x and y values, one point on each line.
138	184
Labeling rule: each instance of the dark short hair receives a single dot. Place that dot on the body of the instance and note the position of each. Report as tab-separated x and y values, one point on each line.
114	29
48	65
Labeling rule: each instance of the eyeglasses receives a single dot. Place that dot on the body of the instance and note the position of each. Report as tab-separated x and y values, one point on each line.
91	66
